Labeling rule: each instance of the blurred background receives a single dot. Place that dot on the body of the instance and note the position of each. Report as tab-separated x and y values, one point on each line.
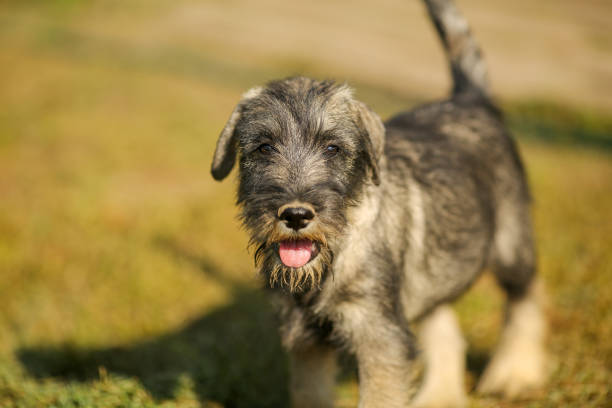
124	275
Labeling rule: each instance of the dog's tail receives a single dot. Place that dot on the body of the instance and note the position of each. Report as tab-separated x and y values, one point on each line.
467	66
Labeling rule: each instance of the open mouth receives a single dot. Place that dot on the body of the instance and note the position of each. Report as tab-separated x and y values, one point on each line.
297	253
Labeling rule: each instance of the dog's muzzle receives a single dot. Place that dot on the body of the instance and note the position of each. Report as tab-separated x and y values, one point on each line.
297	251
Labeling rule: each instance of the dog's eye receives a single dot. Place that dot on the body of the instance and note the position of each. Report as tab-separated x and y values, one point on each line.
265	149
332	150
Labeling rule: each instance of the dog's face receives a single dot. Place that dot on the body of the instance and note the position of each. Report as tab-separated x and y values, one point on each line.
306	149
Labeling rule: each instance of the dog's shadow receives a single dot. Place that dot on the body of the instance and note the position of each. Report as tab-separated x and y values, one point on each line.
232	355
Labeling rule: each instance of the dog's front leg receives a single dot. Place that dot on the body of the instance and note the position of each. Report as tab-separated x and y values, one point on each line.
384	350
384	374
313	375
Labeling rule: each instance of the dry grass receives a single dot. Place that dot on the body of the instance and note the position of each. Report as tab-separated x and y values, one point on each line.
124	275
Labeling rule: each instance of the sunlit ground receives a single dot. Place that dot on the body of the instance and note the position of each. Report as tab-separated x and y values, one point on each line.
124	275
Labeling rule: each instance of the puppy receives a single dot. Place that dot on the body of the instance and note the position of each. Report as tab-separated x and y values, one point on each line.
362	228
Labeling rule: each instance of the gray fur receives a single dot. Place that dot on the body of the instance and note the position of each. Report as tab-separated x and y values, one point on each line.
467	66
407	215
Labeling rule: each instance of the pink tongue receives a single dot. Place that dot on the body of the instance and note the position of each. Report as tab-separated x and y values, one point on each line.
295	253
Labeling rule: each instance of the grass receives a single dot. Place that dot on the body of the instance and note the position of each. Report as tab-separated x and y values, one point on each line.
124	275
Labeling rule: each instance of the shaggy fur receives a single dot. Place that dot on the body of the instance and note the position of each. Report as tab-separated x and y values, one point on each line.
405	216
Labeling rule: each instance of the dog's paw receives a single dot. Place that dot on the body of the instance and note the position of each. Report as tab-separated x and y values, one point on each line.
440	397
514	374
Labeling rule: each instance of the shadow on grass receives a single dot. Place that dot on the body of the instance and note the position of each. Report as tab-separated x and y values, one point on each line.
231	354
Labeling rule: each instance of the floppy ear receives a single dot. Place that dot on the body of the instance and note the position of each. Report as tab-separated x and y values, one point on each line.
375	140
225	153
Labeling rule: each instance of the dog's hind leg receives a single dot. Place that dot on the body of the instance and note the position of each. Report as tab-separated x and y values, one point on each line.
444	352
519	362
313	375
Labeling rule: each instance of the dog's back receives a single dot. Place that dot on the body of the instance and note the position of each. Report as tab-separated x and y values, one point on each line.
466	167
462	163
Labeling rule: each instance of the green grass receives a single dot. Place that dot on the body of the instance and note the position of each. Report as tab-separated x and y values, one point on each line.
124	277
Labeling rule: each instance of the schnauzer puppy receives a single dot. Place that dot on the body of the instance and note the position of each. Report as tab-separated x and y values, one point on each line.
364	229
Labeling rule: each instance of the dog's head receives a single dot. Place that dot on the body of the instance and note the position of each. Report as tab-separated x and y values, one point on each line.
307	149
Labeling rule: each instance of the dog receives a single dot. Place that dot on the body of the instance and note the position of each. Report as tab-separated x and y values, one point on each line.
364	230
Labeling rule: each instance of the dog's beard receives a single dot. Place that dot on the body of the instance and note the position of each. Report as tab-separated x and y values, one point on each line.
300	279
268	241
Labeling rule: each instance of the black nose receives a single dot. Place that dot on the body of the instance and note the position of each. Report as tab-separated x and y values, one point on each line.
296	217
